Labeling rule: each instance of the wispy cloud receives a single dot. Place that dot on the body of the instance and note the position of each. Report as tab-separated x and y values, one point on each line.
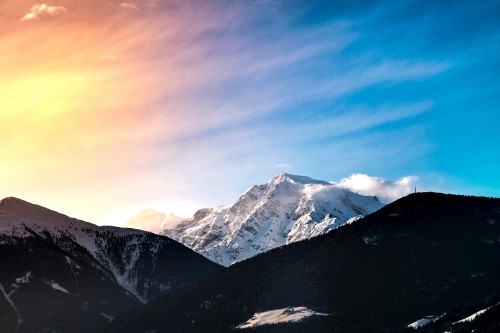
109	57
151	3
283	166
214	93
342	120
193	92
386	190
130	6
40	10
267	2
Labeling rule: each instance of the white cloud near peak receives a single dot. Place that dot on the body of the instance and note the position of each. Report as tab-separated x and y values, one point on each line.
42	9
385	190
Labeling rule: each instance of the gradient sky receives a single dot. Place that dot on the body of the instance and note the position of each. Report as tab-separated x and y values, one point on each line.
110	107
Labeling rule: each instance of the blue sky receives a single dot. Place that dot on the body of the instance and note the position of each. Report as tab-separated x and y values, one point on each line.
387	89
186	104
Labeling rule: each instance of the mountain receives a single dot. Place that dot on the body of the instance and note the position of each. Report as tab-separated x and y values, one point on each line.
154	221
287	209
64	275
417	256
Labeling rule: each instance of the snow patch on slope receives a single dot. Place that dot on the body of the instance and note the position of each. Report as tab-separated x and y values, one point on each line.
279	316
56	286
24	279
473	316
422	322
107	316
9	300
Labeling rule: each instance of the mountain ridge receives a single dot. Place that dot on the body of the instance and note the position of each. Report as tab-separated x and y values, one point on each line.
417	256
52	263
286	209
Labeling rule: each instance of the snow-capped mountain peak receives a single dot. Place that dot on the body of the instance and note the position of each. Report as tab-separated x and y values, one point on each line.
287	209
286	177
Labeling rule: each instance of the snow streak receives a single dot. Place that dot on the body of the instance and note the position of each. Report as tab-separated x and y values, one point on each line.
2	290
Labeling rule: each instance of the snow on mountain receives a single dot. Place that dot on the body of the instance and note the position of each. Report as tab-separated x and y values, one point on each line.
131	257
21	219
287	209
154	221
422	322
92	270
280	316
473	316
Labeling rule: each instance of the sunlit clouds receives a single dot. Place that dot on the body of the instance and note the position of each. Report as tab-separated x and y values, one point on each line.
385	190
41	10
109	107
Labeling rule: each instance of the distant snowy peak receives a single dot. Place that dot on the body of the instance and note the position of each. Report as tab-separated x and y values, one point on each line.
287	209
154	221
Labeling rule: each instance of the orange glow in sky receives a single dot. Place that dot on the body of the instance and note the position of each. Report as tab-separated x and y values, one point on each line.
109	107
76	93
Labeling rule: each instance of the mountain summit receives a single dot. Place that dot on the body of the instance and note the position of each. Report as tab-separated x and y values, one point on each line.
287	209
283	177
28	210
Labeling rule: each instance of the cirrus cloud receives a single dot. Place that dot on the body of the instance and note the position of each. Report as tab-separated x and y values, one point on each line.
127	5
42	9
385	190
110	57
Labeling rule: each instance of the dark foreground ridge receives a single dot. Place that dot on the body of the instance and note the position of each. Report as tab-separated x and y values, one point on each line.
59	274
418	256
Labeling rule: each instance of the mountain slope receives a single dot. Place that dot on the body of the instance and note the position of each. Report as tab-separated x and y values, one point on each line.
480	317
287	209
417	256
67	275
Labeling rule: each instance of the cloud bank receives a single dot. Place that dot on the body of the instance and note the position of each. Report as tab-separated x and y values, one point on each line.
385	190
